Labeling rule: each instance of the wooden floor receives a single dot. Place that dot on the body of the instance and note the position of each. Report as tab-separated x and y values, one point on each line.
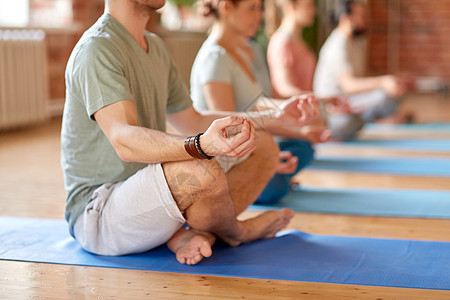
31	185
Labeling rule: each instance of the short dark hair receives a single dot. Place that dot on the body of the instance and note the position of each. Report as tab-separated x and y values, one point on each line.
344	7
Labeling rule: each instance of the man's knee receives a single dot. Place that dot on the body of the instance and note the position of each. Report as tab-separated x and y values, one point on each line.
388	107
379	105
190	180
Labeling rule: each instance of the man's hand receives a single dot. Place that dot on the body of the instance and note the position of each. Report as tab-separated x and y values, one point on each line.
337	105
230	136
298	111
394	86
288	163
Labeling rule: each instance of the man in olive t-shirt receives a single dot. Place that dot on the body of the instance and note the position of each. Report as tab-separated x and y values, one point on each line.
130	185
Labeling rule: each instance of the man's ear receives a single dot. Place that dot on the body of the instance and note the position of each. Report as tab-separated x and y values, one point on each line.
346	19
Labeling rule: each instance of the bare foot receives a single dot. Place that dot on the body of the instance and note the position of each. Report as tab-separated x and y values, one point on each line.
266	225
191	246
398	118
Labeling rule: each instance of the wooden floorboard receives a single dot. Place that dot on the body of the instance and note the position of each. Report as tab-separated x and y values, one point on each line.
20	280
31	185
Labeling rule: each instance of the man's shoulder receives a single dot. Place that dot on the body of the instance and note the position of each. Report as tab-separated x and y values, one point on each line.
105	35
335	43
94	46
99	38
336	39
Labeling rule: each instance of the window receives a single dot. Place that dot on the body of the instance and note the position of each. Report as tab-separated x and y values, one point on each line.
14	13
36	13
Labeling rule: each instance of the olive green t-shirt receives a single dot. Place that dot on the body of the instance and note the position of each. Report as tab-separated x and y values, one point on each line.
107	65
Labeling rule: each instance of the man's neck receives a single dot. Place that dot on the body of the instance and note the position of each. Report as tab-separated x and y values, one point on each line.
133	20
345	29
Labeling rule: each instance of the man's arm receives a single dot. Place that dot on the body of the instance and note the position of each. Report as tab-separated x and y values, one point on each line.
354	85
133	143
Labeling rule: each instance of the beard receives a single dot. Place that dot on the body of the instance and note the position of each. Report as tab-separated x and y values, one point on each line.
359	32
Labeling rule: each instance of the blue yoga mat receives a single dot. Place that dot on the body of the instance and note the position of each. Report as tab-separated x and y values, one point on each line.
293	255
429	127
393	203
416	166
411	145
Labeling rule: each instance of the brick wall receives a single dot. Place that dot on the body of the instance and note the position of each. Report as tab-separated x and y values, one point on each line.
411	36
60	43
59	47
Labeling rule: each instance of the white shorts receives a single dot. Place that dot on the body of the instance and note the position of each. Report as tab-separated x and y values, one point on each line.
133	216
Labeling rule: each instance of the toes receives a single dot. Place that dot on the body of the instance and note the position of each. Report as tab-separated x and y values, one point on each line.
194	259
270	235
288	213
181	259
191	246
205	249
198	258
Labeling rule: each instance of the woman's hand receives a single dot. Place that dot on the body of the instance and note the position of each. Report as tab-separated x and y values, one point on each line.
288	163
298	111
316	134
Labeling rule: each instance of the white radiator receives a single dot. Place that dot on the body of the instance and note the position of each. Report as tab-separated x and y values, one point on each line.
23	78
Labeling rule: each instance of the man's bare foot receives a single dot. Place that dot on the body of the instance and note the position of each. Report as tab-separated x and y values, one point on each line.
398	118
266	225
191	246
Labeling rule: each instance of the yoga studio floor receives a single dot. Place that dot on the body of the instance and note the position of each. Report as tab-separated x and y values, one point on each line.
31	185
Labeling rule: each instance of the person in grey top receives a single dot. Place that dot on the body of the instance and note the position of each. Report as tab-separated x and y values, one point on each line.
371	98
131	186
230	74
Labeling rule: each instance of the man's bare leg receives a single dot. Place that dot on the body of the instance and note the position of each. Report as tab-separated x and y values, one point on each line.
247	180
205	201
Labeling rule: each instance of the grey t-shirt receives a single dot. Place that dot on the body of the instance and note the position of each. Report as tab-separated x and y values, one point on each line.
260	68
333	61
214	64
107	65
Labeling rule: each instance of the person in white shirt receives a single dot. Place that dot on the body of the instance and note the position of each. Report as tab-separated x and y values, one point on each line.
371	98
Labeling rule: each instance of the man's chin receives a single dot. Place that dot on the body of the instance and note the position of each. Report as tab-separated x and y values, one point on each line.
158	5
150	5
